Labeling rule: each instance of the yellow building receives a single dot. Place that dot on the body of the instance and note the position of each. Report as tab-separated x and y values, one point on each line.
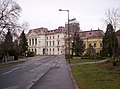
93	38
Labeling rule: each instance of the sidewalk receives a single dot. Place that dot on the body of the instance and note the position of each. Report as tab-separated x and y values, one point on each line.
82	63
58	77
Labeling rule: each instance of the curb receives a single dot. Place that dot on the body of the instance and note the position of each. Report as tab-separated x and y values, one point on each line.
74	82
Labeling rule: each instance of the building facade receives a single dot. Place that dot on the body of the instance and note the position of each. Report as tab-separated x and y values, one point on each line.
47	42
54	42
93	38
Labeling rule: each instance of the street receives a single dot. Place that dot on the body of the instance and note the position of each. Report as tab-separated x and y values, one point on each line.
40	72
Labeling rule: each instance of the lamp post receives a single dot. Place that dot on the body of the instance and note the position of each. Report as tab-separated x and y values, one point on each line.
68	35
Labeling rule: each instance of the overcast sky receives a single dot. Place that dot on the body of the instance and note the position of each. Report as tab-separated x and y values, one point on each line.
44	13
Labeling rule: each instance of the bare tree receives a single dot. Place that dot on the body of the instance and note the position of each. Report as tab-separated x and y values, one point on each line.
113	17
9	15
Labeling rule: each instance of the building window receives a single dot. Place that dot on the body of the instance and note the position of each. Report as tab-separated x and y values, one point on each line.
94	44
35	41
101	44
47	43
58	49
53	50
58	42
58	36
50	43
53	43
32	41
53	37
50	49
50	37
35	51
47	37
29	41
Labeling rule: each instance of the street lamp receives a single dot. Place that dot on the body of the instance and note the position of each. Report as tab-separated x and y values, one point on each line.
68	35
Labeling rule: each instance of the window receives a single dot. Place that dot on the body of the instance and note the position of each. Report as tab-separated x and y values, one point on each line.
50	43
47	43
94	44
53	43
58	42
53	50
35	51
29	41
35	41
47	37
53	37
101	44
58	36
50	37
58	49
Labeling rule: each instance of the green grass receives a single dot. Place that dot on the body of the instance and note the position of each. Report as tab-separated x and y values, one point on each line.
78	60
93	76
11	63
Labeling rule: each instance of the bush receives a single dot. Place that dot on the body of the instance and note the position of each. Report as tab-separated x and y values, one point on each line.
30	54
13	52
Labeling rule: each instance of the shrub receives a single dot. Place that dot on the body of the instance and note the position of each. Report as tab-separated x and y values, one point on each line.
30	54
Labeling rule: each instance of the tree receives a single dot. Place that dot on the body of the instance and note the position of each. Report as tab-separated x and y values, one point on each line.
78	45
113	17
8	43
110	43
23	45
9	13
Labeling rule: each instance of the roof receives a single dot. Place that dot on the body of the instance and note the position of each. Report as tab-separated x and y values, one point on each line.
46	31
92	33
117	33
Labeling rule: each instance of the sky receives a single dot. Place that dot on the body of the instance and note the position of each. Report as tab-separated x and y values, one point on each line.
44	13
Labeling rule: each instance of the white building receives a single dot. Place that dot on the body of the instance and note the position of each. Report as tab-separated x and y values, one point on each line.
47	42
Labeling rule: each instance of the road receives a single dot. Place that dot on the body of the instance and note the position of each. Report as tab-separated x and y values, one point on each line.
32	74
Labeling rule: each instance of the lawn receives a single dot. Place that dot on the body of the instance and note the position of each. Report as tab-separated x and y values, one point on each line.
10	63
94	76
78	60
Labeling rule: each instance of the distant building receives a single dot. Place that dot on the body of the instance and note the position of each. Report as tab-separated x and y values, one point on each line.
93	38
118	36
54	42
47	42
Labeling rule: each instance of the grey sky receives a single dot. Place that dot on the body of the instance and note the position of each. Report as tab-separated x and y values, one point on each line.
44	13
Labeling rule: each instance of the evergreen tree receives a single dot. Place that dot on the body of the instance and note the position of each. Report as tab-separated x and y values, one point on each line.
8	43
110	43
23	45
78	45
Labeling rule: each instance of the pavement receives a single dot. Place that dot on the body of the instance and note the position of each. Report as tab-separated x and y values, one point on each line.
58	77
82	63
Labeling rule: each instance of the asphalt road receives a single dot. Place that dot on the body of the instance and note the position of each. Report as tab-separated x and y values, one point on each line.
24	75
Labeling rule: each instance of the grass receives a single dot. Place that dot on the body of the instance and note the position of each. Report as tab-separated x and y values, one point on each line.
78	60
94	76
10	63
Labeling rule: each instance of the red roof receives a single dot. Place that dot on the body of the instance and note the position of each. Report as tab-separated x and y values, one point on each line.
46	31
92	33
118	33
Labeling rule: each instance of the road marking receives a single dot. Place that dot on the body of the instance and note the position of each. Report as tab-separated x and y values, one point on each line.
6	72
15	69
23	66
10	71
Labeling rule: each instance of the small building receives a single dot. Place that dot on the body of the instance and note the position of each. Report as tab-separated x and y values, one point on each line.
93	38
